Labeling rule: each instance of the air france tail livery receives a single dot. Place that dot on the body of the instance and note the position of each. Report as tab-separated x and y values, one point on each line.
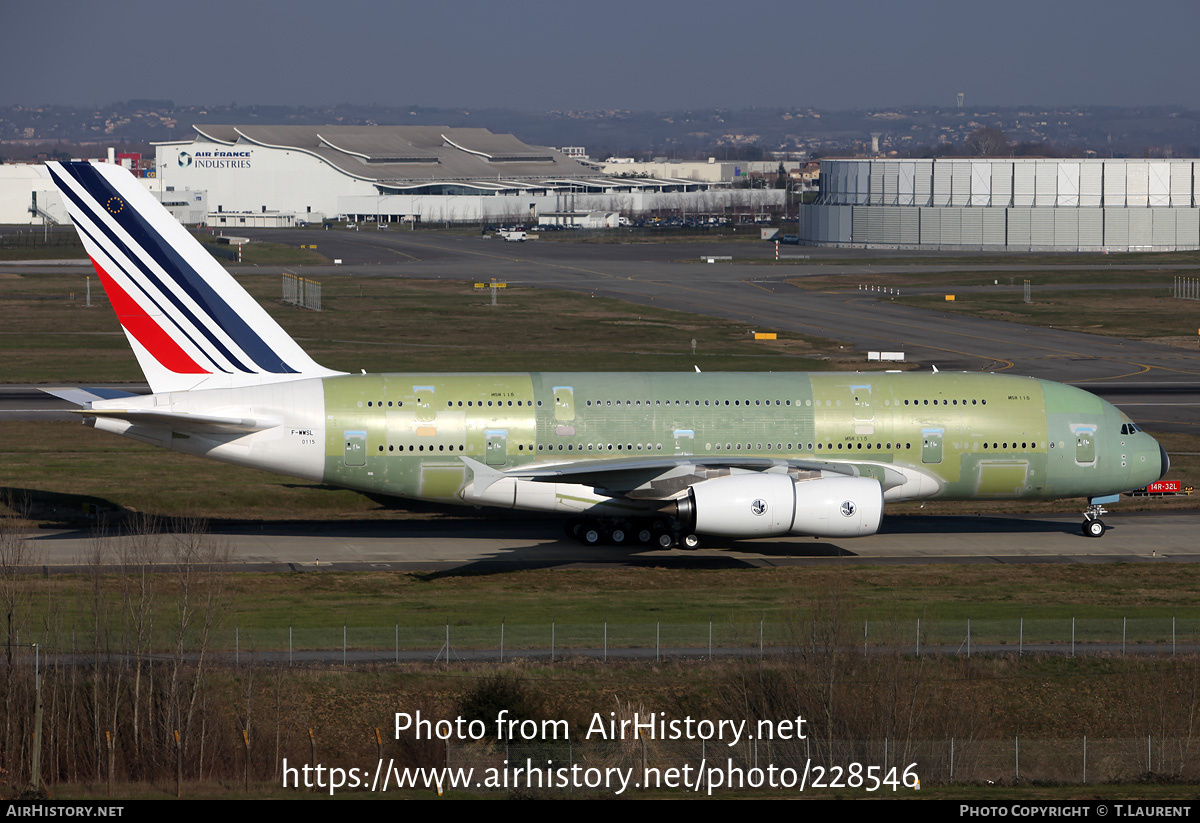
651	457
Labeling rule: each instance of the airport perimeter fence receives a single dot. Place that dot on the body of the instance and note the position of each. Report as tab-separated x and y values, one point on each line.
450	642
1067	636
749	764
38	237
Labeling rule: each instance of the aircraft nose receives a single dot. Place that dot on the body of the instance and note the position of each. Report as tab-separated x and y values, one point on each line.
1164	461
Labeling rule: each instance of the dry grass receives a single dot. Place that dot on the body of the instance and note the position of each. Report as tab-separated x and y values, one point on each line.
383	324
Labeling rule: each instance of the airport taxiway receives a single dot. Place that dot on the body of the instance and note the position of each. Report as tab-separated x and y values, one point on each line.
509	544
1158	386
746	290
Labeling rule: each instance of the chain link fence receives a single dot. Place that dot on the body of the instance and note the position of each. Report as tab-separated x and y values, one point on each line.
1065	636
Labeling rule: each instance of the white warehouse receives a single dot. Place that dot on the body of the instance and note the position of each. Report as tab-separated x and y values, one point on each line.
301	174
1006	204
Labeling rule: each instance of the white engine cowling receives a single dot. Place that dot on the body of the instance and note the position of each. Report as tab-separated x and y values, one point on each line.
838	507
744	505
762	505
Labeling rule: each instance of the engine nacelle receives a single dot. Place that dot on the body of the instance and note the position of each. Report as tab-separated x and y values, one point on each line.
765	505
744	505
838	507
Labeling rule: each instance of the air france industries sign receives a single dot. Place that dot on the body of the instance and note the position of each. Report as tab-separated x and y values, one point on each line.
215	159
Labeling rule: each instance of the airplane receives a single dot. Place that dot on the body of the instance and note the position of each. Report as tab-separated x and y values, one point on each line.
652	458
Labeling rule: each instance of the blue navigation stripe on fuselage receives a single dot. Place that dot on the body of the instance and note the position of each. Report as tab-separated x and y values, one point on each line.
183	274
149	275
162	314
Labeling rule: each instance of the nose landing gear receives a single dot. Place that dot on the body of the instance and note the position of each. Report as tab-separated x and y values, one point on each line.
1093	526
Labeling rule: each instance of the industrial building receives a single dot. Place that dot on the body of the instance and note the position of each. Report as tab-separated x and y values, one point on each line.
714	171
256	176
1014	204
285	175
29	197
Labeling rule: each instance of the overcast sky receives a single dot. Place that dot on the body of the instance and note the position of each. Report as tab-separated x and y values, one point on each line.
615	54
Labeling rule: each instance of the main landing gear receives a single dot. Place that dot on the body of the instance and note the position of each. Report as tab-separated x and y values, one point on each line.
1093	526
657	532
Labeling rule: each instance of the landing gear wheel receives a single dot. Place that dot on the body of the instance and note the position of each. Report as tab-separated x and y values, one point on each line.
590	534
1093	526
618	536
690	541
572	526
644	535
664	539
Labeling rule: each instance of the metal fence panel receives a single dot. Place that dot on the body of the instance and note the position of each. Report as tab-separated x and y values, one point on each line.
1181	184
1091	227
1116	227
1024	175
1115	184
1091	183
972	226
1002	183
1019	227
923	182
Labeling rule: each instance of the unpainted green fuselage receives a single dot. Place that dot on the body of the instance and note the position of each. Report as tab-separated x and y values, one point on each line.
979	435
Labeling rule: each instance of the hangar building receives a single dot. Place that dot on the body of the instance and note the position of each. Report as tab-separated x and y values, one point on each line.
281	175
1014	204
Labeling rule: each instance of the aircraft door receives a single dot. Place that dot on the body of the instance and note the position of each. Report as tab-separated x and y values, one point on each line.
1085	445
862	403
497	447
426	403
685	441
356	448
564	404
931	445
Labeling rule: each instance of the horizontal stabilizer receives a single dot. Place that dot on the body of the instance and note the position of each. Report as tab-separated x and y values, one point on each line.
183	421
81	396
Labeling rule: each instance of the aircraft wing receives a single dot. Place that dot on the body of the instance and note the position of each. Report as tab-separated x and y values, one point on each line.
183	421
664	477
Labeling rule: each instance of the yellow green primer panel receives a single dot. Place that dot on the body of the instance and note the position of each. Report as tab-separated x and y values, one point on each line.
978	434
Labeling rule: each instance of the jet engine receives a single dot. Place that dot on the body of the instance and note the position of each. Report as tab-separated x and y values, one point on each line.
763	505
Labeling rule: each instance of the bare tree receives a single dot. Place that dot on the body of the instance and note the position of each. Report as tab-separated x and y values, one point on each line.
141	552
199	572
15	555
987	141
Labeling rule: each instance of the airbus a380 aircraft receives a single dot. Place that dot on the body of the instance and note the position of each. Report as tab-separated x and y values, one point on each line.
658	458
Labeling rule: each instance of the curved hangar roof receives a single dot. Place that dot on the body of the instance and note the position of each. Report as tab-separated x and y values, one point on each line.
405	156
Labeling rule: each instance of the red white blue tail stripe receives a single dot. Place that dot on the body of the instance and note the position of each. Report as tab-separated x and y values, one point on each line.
188	320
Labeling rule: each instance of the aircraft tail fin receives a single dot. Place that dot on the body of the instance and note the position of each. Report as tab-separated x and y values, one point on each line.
191	325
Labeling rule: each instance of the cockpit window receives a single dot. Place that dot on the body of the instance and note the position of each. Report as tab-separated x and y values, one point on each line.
1129	428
